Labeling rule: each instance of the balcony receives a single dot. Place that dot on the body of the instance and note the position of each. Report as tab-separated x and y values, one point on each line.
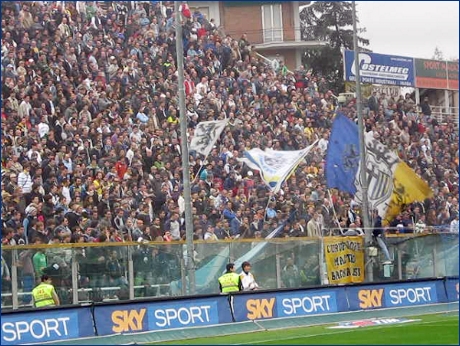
285	38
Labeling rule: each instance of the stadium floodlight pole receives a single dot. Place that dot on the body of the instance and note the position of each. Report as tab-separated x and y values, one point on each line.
184	151
362	144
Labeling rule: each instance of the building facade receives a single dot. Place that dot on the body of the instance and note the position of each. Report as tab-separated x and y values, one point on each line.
273	28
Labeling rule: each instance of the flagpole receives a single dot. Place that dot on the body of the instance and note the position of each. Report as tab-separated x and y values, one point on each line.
333	210
207	155
266	207
184	152
198	174
362	144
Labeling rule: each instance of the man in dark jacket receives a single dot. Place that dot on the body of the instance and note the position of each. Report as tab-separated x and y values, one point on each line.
426	109
379	235
373	102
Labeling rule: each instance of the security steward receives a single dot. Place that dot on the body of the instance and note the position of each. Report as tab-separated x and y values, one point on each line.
44	294
230	281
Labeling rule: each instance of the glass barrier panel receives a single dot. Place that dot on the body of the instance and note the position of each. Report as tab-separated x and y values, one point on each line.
211	257
7	290
264	263
27	276
308	254
425	256
100	272
156	266
420	257
446	258
297	263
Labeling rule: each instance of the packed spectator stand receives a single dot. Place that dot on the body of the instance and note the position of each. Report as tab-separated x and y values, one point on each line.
91	144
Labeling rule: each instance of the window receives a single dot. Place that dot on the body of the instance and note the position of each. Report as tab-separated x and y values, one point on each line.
272	23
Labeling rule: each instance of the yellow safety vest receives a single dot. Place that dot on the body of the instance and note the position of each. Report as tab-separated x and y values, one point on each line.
229	282
43	295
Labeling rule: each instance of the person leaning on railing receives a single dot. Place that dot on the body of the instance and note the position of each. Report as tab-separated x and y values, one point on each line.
44	294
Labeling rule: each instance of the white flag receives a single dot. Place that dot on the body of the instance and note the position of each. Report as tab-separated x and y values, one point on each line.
275	166
206	134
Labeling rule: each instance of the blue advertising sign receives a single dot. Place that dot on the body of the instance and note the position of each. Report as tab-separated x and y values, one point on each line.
287	304
393	295
42	326
411	294
141	317
452	289
184	314
380	69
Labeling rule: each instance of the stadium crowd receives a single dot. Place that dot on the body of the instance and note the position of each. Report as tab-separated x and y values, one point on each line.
91	141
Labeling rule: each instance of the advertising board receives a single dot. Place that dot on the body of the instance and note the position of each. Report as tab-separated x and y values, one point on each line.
288	304
380	69
42	326
151	316
38	327
452	289
395	295
436	74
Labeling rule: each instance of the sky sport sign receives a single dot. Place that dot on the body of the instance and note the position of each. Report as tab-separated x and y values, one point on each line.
380	69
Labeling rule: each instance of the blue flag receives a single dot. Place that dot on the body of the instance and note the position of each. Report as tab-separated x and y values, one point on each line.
342	158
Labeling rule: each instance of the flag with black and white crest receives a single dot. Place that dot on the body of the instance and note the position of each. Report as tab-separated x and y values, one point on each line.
206	134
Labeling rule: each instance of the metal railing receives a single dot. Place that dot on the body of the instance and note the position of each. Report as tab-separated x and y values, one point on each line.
91	292
445	114
274	65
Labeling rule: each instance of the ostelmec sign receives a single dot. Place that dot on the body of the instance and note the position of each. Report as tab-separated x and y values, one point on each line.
344	259
435	74
380	69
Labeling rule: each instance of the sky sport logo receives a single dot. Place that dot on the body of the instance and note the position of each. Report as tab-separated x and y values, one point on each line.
371	322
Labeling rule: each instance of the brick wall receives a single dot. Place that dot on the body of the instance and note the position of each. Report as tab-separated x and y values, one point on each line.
289	58
245	18
238	20
288	22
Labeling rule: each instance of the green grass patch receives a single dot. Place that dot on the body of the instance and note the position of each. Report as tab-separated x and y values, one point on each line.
433	329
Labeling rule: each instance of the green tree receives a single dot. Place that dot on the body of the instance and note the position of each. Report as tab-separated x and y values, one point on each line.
330	22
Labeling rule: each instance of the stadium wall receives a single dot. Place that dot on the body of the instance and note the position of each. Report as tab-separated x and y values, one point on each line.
57	324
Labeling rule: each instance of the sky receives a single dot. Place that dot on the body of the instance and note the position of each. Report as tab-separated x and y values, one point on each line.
411	28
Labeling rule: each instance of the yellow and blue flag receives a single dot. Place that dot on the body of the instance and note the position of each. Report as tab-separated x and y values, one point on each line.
391	183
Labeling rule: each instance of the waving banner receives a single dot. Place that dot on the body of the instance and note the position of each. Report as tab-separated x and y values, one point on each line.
391	183
206	135
275	166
